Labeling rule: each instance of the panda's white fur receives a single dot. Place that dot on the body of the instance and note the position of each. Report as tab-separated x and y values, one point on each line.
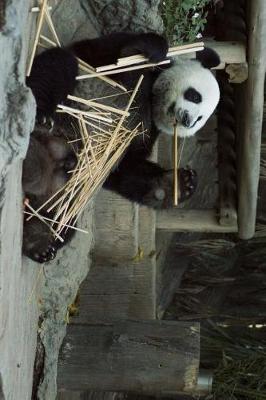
170	87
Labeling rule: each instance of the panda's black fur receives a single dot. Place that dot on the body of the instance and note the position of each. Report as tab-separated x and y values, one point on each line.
136	178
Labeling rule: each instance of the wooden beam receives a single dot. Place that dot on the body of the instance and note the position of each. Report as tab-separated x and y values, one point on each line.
250	137
155	357
192	221
229	52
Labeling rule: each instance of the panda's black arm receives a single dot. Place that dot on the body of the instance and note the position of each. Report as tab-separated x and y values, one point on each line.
107	49
140	181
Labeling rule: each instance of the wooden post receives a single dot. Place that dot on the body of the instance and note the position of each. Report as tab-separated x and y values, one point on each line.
227	153
156	357
250	138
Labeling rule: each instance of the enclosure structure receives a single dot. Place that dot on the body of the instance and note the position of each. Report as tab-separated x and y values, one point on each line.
239	130
130	241
123	282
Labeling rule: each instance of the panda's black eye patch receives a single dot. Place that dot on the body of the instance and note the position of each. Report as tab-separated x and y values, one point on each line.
193	96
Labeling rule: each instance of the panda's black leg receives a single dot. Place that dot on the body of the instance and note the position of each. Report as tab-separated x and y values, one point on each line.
38	242
52	78
147	183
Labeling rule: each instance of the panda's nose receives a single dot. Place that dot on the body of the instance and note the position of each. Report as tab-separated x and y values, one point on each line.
185	119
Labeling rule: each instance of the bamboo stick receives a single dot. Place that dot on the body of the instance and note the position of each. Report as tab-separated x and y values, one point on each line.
38	31
98	105
175	164
126	61
86	113
171	50
88	68
51	26
37	9
118	71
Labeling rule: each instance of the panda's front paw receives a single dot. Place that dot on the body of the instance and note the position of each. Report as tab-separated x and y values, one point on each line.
151	45
161	196
188	181
42	253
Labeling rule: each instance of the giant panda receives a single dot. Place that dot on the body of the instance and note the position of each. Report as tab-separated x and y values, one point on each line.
185	93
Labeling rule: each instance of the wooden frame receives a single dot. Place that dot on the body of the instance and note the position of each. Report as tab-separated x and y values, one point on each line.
232	216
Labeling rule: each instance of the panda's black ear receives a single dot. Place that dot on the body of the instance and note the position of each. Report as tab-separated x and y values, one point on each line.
208	58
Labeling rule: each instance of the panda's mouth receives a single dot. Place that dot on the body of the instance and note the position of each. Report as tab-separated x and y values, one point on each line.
184	119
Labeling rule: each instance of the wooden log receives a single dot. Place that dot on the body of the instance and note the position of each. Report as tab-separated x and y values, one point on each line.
154	357
250	137
183	220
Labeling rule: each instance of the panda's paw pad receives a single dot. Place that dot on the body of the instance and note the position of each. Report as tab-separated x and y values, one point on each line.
43	255
163	191
187	183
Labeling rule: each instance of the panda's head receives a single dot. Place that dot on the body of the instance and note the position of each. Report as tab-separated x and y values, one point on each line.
187	93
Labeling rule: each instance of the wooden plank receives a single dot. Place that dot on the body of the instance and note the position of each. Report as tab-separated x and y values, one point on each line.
143	357
121	282
116	291
192	221
250	137
229	52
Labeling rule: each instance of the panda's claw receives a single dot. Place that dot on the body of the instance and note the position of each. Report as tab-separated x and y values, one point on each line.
188	183
45	255
46	122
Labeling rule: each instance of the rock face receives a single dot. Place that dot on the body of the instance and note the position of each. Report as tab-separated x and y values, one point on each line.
18	315
26	289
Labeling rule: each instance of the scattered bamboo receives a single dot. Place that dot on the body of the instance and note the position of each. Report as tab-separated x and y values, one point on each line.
98	105
175	166
56	222
103	144
38	31
40	217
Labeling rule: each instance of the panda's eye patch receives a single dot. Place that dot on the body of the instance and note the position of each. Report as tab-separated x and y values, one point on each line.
193	96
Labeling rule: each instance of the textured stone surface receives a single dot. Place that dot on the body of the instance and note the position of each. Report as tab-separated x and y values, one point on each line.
18	314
